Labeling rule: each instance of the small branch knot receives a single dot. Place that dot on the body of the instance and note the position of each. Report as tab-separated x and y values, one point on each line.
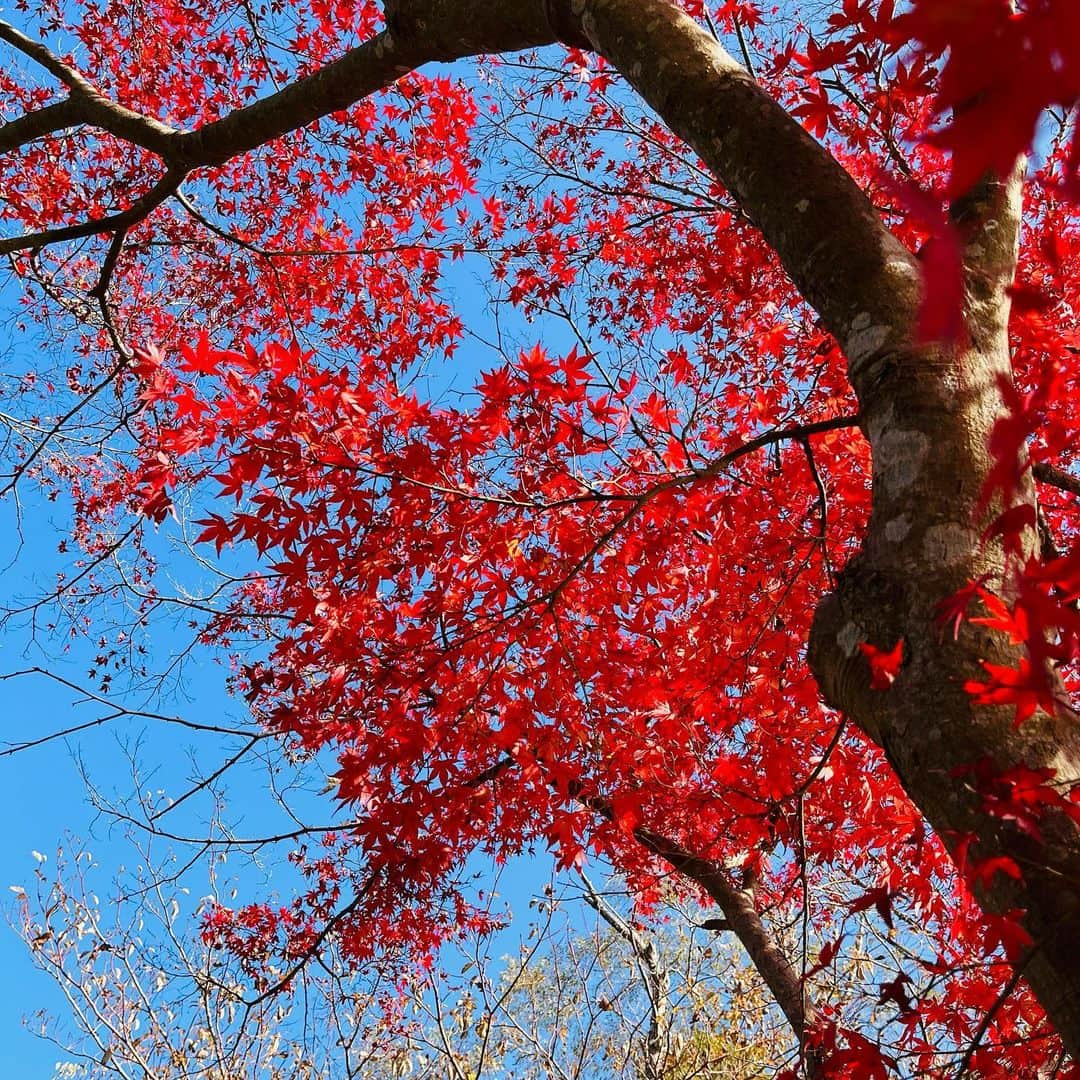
865	606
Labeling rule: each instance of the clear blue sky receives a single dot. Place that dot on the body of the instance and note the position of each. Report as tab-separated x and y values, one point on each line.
42	794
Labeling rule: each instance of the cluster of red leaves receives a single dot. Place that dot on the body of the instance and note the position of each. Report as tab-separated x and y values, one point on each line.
1006	64
1020	795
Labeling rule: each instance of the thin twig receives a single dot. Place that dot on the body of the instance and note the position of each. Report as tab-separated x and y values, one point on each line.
984	1026
101	289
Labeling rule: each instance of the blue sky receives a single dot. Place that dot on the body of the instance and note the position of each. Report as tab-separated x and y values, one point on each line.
42	793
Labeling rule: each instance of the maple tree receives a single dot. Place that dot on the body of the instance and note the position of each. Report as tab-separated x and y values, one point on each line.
795	424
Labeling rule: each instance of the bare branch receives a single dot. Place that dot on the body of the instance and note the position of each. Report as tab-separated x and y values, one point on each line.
1055	477
100	699
208	781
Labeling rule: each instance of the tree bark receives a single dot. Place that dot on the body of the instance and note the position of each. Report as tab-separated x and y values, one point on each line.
744	921
928	413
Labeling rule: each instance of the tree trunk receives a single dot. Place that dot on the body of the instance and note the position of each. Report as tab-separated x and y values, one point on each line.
928	413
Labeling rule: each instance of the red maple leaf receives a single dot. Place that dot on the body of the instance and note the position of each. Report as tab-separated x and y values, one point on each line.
884	666
1025	686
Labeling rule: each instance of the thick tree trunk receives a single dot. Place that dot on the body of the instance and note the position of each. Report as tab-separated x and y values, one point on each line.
928	413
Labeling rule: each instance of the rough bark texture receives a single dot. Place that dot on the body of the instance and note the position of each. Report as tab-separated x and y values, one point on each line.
927	410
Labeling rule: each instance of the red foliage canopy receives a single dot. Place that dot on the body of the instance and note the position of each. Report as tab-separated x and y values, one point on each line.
548	578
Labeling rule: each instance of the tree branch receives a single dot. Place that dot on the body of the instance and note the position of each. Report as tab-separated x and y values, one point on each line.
653	975
40	54
85	105
33	125
418	32
115	223
741	916
862	281
1055	477
743	920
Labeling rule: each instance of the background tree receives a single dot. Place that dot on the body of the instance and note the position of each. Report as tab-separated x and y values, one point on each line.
571	605
147	998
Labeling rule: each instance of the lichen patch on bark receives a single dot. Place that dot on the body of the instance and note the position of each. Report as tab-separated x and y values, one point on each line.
898	459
